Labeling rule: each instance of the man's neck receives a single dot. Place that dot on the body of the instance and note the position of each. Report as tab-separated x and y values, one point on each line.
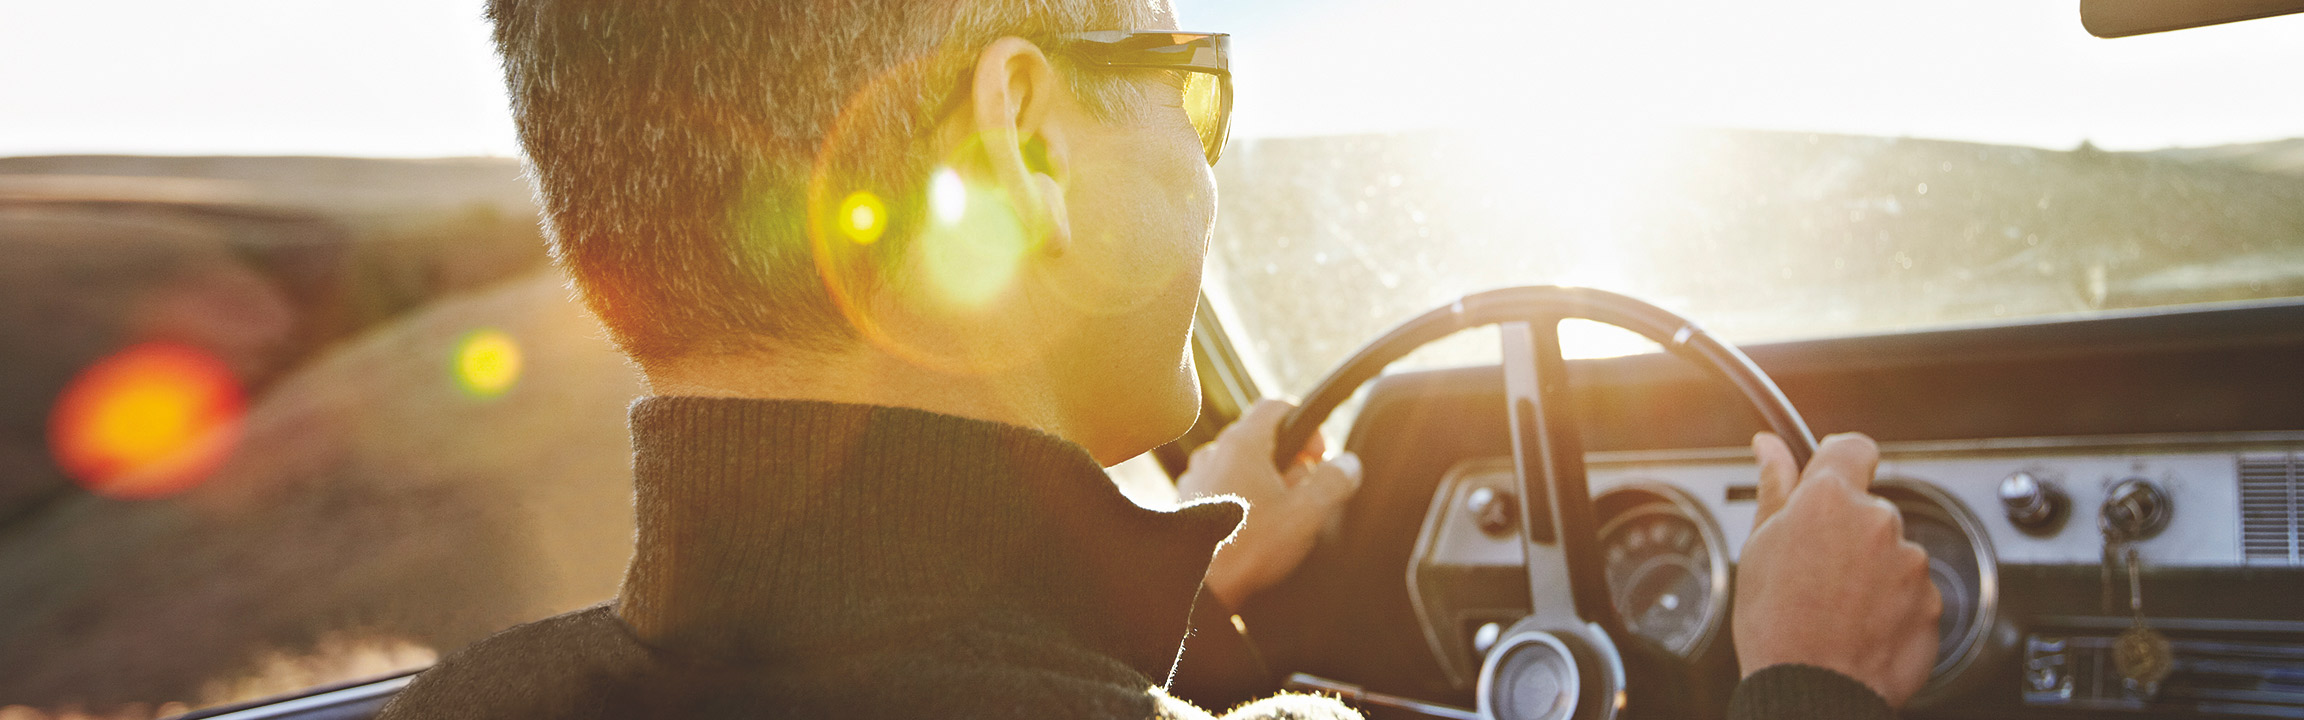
864	377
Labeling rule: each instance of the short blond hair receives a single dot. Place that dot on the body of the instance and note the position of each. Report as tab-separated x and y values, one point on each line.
672	143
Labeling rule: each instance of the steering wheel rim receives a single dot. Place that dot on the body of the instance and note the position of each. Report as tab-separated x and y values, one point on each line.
1678	335
1574	615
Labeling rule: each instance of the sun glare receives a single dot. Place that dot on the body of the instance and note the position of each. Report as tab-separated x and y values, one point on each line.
148	422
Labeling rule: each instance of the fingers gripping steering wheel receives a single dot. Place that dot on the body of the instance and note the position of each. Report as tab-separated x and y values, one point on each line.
1563	661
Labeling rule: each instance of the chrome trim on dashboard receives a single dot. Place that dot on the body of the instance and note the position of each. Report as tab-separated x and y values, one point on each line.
1987	582
356	693
1453	486
1484	692
2234	441
1357	696
2271	527
2198	469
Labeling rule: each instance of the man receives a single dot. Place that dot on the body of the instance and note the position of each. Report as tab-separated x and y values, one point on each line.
903	276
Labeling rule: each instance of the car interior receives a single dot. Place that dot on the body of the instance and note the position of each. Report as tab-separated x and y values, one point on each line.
2101	451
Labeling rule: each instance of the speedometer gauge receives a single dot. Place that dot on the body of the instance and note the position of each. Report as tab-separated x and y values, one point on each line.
1666	572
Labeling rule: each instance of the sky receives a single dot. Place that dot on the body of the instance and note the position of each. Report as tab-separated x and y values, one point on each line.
415	78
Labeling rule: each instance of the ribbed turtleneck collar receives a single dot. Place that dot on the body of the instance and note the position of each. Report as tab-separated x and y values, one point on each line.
772	530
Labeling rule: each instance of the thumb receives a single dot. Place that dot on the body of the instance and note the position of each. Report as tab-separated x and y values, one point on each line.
1778	476
1321	496
1253	433
1331	483
1850	458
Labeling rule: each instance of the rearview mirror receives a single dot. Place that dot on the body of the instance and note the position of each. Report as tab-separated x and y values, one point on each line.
2122	18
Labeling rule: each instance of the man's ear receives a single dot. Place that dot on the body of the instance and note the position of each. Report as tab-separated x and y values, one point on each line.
1017	96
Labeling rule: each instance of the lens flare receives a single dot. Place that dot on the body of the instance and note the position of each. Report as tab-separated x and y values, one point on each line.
863	217
148	422
486	363
971	260
947	196
957	249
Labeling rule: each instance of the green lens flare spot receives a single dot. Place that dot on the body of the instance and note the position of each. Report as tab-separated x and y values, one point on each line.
971	254
486	363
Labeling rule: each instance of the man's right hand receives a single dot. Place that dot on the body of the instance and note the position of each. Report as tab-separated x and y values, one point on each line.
1286	511
1828	579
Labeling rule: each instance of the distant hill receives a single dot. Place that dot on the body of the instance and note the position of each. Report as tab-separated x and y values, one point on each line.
358	189
412	229
2285	157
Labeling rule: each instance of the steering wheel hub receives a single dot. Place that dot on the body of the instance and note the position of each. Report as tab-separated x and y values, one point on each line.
1543	675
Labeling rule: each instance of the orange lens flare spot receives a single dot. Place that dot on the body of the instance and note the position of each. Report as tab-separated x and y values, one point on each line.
487	363
147	422
862	217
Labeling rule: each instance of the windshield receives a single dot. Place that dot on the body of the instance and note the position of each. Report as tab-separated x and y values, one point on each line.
1776	170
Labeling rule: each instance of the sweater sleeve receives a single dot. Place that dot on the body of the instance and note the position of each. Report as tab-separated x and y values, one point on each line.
1799	692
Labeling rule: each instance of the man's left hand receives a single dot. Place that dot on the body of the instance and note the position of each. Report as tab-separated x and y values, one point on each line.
1286	510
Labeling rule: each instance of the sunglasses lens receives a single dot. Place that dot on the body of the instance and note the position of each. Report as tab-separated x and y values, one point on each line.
1204	104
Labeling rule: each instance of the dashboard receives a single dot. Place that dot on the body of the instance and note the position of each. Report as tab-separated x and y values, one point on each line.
1672	525
2008	451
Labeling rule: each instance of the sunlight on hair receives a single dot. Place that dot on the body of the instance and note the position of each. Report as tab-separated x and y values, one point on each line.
970	258
148	422
863	217
486	363
947	196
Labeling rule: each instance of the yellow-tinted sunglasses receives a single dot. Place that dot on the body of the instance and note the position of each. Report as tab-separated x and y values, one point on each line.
1202	57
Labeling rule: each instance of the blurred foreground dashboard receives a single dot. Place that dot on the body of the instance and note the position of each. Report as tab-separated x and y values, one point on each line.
2008	450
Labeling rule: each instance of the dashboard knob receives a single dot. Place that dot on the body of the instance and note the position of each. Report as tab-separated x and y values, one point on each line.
1484	639
2135	509
1493	510
2033	505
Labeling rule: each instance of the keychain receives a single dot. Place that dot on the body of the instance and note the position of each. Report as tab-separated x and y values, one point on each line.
2141	654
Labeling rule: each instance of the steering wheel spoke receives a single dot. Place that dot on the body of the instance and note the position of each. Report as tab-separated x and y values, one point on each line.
1564	575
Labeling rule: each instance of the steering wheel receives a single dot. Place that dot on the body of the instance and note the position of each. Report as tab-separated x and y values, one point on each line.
1566	660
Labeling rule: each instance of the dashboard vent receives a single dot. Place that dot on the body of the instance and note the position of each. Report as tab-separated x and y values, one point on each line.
2272	508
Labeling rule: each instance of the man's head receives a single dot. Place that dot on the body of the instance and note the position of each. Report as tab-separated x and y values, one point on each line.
932	182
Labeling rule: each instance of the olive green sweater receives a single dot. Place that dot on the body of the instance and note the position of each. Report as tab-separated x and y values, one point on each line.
817	560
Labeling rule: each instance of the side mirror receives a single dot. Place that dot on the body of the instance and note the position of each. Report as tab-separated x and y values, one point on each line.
2122	18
